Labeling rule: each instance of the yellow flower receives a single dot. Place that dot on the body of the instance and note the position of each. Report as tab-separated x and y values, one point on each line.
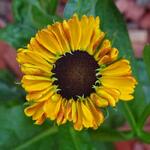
71	71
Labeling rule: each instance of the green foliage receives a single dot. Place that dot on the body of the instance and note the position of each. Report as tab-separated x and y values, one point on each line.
50	7
81	7
18	132
147	58
29	16
8	89
69	138
17	34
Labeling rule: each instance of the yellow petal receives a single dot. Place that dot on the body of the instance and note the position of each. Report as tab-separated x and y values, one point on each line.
87	116
40	120
72	29
104	60
30	111
36	67
97	36
99	101
74	112
40	50
58	31
25	56
51	108
98	116
78	124
31	96
34	78
87	30
35	83
69	110
49	41
61	115
113	92
55	97
104	49
114	54
118	68
105	95
37	114
34	71
123	84
126	97
47	96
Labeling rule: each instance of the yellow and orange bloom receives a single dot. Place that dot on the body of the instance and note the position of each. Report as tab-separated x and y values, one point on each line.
71	71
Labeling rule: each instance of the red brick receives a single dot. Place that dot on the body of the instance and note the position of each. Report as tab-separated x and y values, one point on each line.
2	23
8	58
122	5
145	21
134	12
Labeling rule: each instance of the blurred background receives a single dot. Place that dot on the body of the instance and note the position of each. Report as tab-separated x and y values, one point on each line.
137	16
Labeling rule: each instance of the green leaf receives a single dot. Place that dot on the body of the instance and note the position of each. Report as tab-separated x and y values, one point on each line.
111	135
17	35
144	116
8	89
41	19
18	131
6	76
110	119
50	6
144	80
22	10
103	145
145	137
81	7
113	24
29	17
146	56
36	15
69	138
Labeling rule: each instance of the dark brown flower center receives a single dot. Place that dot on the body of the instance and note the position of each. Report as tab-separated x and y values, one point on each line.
76	74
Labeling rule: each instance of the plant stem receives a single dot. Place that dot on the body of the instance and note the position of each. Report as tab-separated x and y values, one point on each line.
113	136
130	118
72	133
38	137
144	116
145	136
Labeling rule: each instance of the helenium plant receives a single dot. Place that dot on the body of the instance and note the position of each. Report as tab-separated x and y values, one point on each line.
81	82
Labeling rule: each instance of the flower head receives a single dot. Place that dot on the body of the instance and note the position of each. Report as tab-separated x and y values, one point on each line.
71	71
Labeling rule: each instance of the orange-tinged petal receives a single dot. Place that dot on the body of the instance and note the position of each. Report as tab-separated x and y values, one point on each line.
30	111
105	95
61	115
40	120
78	125
58	31
99	101
104	49
98	116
